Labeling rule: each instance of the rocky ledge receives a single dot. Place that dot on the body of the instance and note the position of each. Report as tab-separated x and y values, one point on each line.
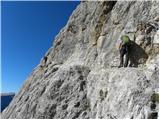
78	76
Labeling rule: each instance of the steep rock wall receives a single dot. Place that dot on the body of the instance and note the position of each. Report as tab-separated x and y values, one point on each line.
79	78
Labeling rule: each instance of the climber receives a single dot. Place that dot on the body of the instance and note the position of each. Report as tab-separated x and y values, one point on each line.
124	47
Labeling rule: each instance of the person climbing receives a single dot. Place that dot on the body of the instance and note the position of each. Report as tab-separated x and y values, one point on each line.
124	48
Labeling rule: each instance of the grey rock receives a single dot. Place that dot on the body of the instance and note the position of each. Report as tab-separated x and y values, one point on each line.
140	39
156	38
80	78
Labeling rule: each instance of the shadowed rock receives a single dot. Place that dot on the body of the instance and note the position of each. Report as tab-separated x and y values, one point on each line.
77	79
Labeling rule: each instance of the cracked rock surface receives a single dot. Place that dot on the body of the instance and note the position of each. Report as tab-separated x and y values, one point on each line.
78	76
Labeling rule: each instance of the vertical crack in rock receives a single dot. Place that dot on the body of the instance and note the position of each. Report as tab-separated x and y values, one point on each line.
78	76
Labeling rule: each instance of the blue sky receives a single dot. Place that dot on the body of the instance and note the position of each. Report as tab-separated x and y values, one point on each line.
28	30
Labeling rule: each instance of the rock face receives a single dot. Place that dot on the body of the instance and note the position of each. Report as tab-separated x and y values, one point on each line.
79	78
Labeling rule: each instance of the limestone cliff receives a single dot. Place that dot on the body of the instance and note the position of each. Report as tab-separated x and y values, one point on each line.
78	76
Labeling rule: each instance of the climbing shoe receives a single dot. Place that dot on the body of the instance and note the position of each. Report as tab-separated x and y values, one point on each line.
120	66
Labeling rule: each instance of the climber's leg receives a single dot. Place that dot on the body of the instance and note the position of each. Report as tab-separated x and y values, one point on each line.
122	52
127	56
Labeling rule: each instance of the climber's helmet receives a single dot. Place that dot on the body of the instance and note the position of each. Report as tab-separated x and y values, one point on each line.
125	38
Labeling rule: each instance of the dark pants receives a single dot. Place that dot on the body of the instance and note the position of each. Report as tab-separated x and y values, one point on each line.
124	51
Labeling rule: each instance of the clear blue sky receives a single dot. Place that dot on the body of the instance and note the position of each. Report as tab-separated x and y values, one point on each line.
28	30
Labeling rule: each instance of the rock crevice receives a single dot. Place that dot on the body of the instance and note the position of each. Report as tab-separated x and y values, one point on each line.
78	76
